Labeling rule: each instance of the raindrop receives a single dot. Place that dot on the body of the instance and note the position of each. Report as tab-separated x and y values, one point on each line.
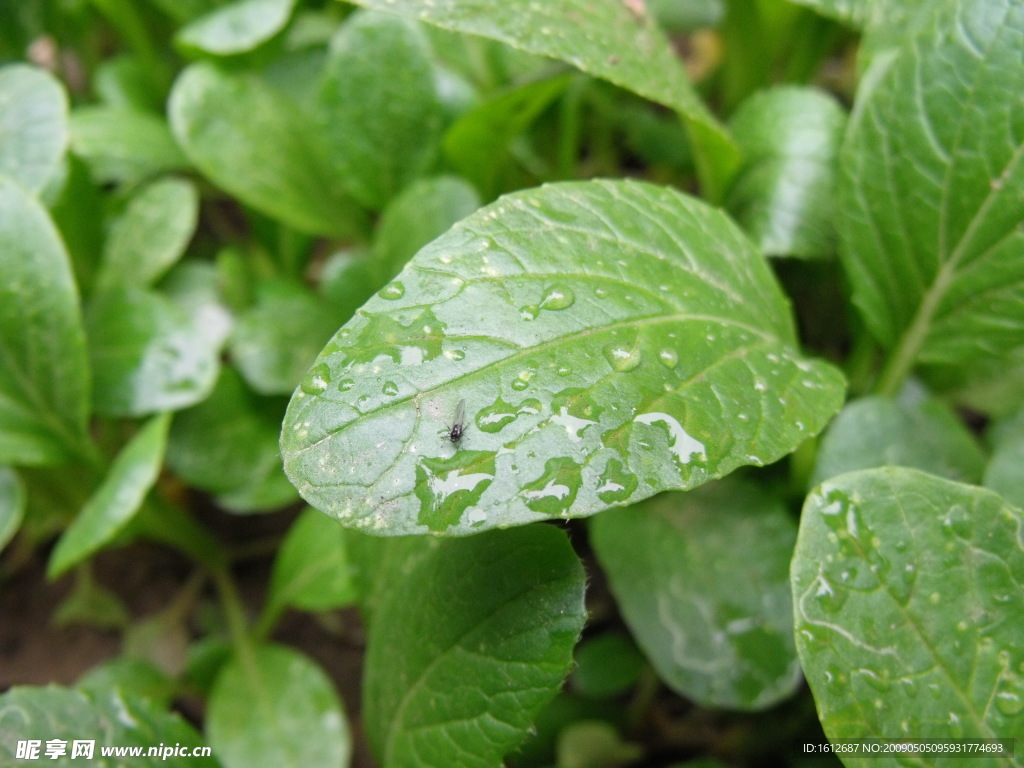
558	297
390	388
529	312
317	380
392	291
669	358
621	358
601	293
346	384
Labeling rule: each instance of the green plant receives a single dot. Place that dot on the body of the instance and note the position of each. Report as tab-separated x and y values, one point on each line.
414	184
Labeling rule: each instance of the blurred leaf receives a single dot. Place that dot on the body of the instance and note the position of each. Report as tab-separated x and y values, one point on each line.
109	718
606	665
124	145
312	570
254	143
930	191
33	125
378	107
611	340
237	27
1004	471
124	82
276	708
783	193
613	40
150	235
349	277
136	678
423	211
12	504
472	638
148	354
276	341
876	431
112	505
44	374
905	587
702	580
595	744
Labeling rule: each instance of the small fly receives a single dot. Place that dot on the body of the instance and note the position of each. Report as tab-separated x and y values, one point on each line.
458	428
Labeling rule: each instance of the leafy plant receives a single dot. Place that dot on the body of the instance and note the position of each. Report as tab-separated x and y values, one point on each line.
262	252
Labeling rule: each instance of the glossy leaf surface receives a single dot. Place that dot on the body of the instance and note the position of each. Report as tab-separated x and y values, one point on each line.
702	580
118	498
275	708
236	27
44	375
33	125
906	589
931	190
611	340
472	637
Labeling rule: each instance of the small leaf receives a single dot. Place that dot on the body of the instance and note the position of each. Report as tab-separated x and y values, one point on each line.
33	125
237	27
312	570
135	677
123	145
12	504
611	340
118	498
254	143
907	591
148	355
875	431
275	707
606	666
614	40
150	235
471	640
110	718
783	193
378	106
702	580
1003	473
939	281
44	374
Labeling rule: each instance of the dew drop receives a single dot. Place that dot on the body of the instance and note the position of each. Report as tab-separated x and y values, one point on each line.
558	297
601	293
317	380
390	388
621	358
669	358
346	384
392	291
529	312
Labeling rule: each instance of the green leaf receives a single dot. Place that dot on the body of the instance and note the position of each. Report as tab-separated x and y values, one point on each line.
1003	473
148	354
44	374
312	570
138	678
237	27
254	143
923	434
617	41
124	145
12	504
931	187
111	718
702	580
783	193
422	212
472	639
227	445
611	340
378	106
907	592
274	707
118	498
33	125
150	235
276	340
607	665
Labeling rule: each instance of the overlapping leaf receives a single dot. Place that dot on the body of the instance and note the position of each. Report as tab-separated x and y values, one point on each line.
611	340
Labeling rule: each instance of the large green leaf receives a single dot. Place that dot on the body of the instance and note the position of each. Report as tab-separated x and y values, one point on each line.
908	595
702	579
614	40
378	107
611	340
274	707
236	27
110	719
931	190
33	125
471	639
44	374
118	498
254	143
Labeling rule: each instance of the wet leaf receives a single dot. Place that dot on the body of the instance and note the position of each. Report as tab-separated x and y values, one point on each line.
237	27
906	589
118	498
472	638
33	125
702	580
123	145
44	374
611	340
276	708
